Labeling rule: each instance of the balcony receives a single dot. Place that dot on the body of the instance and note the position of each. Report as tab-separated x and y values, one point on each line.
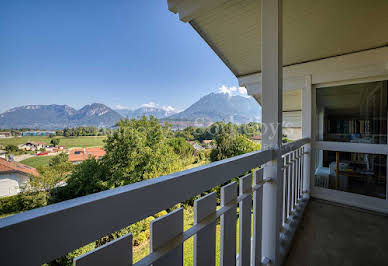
63	227
280	219
332	234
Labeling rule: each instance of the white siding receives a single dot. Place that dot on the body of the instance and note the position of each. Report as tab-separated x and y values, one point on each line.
10	184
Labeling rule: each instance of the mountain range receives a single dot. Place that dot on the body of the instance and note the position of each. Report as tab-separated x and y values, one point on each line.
221	107
158	112
210	108
58	116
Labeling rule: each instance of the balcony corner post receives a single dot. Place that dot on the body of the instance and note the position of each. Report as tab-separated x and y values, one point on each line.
272	105
307	133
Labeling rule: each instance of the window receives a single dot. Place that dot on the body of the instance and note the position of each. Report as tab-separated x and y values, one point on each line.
358	173
353	113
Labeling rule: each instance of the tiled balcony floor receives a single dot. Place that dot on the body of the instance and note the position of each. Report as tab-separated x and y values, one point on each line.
332	235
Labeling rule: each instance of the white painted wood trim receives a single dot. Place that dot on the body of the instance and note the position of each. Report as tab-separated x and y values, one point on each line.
272	107
245	215
187	10
307	107
163	230
205	241
351	147
351	199
371	65
228	226
257	218
118	252
110	210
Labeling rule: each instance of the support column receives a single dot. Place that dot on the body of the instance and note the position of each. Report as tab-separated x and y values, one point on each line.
272	82
306	133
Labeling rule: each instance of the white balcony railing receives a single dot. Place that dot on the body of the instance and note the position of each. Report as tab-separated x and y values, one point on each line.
42	235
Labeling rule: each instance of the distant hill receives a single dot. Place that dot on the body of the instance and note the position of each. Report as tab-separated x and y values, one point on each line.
221	107
58	116
158	112
209	109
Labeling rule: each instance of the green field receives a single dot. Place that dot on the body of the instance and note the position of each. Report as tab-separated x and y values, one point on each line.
68	142
188	250
37	161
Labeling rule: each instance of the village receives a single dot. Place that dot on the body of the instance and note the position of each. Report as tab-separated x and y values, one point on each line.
17	166
14	173
15	170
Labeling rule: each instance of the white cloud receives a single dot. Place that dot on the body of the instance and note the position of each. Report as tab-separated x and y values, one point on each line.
168	108
120	107
233	90
150	105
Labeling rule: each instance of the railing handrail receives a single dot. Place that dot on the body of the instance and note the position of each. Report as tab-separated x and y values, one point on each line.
71	224
291	146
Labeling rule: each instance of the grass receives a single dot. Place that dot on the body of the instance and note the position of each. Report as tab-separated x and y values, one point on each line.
8	214
188	248
37	161
68	142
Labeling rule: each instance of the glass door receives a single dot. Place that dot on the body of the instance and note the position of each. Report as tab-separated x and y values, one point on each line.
351	133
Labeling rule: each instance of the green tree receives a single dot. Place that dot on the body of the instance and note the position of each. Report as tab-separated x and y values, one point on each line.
232	145
186	133
138	150
61	164
88	177
38	191
181	147
55	141
11	148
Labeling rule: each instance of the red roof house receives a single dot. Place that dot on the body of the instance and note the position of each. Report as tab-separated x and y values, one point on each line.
81	154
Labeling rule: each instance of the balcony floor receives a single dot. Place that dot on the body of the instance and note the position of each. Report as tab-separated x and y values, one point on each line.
335	235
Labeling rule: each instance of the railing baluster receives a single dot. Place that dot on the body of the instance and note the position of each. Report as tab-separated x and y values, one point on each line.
117	252
289	180
293	184
205	240
297	177
245	221
285	190
300	172
303	173
163	230
257	218
284	170
228	226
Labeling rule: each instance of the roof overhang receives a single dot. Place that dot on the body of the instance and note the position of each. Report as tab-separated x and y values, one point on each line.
317	35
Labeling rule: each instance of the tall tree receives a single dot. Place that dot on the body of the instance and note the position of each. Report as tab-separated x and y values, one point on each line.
55	141
138	150
232	145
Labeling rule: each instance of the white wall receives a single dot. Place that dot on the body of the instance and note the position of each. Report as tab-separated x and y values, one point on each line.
10	183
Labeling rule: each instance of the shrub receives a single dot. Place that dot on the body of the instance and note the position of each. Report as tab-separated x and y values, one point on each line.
139	239
160	214
10	205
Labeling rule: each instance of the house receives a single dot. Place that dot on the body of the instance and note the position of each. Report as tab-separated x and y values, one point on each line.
78	155
256	138
3	153
38	133
32	146
207	143
13	175
5	135
319	200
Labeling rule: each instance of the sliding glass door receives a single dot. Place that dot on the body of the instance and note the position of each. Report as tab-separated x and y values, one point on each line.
351	139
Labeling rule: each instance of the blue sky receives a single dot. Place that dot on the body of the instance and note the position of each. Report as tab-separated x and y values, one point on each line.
122	52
